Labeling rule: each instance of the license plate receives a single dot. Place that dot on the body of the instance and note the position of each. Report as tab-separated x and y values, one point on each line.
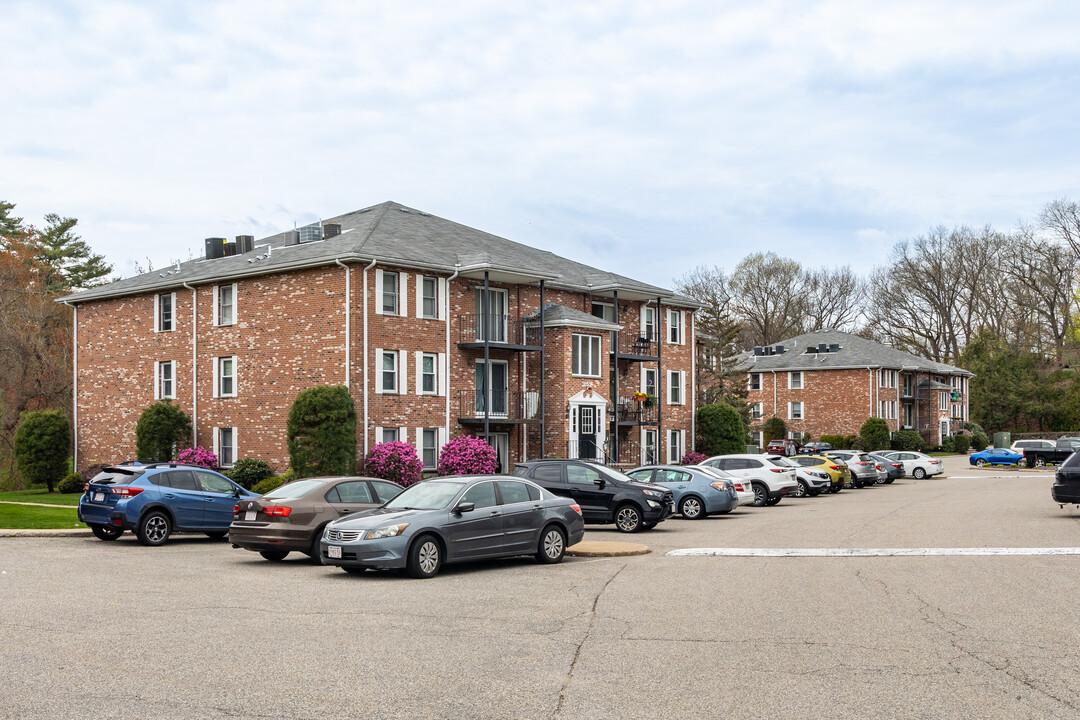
333	551
249	516
99	497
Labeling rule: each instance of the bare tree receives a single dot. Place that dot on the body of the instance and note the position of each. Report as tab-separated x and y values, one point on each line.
834	298
769	296
1061	217
1043	278
717	329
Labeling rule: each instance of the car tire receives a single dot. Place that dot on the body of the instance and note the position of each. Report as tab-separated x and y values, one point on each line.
980	462
889	481
774	500
692	508
836	488
106	532
628	518
552	546
217	534
761	494
918	473
315	551
353	569
1021	463
856	482
801	490
425	557
1040	462
154	528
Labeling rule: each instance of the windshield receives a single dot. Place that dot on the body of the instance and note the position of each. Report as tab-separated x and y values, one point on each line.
715	472
426	496
293	490
780	462
615	474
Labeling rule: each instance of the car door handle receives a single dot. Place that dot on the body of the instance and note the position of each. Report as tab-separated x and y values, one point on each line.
209	499
494	512
170	496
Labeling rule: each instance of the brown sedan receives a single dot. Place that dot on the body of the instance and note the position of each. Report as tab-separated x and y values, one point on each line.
293	516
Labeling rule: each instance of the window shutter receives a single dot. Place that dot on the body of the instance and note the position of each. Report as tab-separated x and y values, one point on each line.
235	445
217	385
418	356
419	295
403	383
441	375
641	379
682	443
443	298
157	380
378	291
215	308
378	434
789	411
403	434
641	327
682	388
217	443
157	312
235	376
403	294
175	316
378	369
682	329
443	437
235	304
420	442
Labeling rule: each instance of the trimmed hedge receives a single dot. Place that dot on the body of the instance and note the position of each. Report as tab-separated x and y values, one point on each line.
249	472
979	441
875	434
73	483
272	483
322	432
962	443
907	440
774	429
161	429
42	441
837	441
720	429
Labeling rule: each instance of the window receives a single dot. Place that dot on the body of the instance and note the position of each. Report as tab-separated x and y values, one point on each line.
482	495
496	316
673	476
675	450
756	437
389	435
166	381
226	380
907	415
795	411
513	492
795	381
909	383
605	311
585	358
755	382
429	447
164	312
675	331
581	475
648	323
225	307
887	409
943	400
549	473
429	297
389	302
385	491
675	387
648	447
757	411
389	371
180	480
649	382
886	378
226	446
429	363
354	491
209	482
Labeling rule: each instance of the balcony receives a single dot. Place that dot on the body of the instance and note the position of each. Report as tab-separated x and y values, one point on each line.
506	332
629	412
587	450
508	407
635	347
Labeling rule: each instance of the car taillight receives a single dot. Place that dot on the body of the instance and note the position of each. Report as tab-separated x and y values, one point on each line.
576	508
896	465
126	491
778	470
834	467
277	511
235	509
86	487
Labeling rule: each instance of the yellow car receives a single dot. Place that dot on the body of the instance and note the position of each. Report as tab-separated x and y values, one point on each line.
838	472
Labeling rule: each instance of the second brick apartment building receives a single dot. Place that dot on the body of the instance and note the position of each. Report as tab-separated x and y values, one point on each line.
436	328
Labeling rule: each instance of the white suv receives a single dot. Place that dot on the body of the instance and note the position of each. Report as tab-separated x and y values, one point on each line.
770	476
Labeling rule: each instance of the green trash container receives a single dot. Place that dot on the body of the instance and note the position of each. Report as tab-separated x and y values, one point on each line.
1002	439
752	450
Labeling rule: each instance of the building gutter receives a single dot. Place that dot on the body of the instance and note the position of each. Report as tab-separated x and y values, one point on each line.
366	356
74	384
348	323
446	370
194	366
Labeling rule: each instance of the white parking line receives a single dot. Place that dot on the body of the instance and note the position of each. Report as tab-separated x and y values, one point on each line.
991	475
868	552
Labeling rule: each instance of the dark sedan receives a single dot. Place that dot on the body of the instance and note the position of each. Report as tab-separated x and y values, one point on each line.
894	468
1066	487
454	520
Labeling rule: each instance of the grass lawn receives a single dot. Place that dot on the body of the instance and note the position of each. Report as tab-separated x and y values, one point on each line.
40	495
32	517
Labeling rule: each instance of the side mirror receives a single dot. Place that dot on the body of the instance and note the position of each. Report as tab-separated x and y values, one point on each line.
600	483
464	508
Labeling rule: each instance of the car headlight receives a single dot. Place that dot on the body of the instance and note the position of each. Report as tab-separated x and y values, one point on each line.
385	532
653	493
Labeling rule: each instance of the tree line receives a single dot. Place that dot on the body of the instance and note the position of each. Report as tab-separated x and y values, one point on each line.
1003	304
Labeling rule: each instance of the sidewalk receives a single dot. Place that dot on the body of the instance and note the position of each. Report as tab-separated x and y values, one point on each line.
73	532
13	502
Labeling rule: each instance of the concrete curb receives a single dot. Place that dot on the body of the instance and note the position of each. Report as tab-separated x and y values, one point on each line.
74	532
597	548
13	502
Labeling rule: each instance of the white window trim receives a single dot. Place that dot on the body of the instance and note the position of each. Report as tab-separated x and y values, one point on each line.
750	382
235	445
419	360
675	450
420	445
235	376
757	410
157	312
802	380
157	380
420	297
682	387
647	309
217	306
574	342
681	315
802	410
402	293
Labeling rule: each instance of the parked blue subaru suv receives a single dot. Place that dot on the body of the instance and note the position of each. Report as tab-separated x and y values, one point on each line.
157	499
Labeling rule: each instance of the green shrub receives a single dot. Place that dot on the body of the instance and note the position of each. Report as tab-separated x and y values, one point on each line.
774	429
875	434
907	440
72	483
837	441
322	432
720	429
42	441
249	472
948	444
162	429
979	441
859	444
974	427
272	483
961	443
849	442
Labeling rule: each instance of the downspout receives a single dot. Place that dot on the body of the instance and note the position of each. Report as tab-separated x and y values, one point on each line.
348	323
74	384
366	363
871	371
194	366
693	379
446	370
774	408
614	355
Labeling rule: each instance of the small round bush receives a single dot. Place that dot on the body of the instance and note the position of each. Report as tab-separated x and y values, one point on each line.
693	458
394	461
73	483
467	455
961	443
837	441
875	434
948	444
907	440
270	483
249	472
199	456
979	441
848	442
321	432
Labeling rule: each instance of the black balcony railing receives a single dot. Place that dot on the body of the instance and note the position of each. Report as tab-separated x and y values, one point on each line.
498	329
630	411
632	454
635	345
501	405
587	450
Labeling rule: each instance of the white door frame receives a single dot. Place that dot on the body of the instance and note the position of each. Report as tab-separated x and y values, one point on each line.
588	396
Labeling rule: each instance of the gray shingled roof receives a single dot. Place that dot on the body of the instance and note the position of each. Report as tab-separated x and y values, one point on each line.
855	352
392	234
555	315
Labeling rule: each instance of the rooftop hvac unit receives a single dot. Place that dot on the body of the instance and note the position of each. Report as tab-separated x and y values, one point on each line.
230	249
215	248
310	233
331	230
758	350
822	347
834	348
245	244
292	237
779	349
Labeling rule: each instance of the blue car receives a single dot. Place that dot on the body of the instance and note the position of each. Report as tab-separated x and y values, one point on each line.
697	493
996	456
157	499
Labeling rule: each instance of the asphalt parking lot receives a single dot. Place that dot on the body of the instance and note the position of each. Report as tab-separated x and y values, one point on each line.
196	629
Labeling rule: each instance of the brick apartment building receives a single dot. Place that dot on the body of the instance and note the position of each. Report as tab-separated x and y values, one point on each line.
830	382
435	327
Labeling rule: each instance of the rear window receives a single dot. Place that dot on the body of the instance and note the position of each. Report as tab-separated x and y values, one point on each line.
1072	461
116	476
780	462
293	490
520	471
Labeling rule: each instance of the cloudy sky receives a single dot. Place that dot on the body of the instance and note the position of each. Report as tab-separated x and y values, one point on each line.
644	138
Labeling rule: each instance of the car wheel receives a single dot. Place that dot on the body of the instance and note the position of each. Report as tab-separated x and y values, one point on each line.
918	473
315	552
1021	463
552	545
627	518
274	555
856	482
691	508
154	528
106	532
761	494
980	462
836	488
888	481
1040	462
217	534
774	500
425	558
801	490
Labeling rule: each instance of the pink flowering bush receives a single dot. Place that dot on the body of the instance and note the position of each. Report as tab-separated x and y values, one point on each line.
394	461
198	456
467	456
693	458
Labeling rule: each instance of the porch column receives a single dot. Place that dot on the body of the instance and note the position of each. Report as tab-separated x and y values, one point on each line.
614	355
